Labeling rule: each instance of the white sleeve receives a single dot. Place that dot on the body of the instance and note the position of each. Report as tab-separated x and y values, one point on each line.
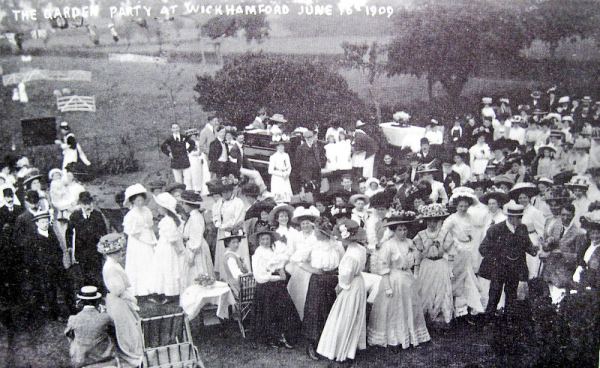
233	268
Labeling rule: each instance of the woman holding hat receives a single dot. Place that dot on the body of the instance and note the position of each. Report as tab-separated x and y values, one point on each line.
89	331
167	264
579	186
199	172
280	169
322	264
433	276
121	304
345	330
137	224
300	248
275	318
198	260
397	314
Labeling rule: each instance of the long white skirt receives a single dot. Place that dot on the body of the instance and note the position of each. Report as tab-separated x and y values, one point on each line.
137	260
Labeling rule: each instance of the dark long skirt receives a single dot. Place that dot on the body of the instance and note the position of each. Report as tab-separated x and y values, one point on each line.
319	300
274	312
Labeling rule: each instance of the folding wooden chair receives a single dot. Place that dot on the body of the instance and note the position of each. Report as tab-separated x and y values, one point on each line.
168	342
245	299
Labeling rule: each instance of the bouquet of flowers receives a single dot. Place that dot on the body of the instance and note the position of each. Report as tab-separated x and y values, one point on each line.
205	280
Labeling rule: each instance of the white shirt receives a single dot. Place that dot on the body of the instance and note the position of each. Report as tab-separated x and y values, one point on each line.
233	266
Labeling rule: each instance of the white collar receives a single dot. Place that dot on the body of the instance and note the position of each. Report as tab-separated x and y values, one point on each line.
86	307
43	233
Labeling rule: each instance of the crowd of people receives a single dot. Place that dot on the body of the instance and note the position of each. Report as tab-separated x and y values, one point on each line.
451	232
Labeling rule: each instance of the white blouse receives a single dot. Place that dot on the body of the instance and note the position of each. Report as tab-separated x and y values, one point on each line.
326	255
263	265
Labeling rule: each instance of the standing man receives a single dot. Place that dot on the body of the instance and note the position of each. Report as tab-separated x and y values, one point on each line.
365	149
218	154
86	226
73	155
207	135
177	148
307	164
503	250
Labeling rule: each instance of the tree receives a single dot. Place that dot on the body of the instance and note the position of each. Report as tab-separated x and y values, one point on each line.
449	40
367	59
306	93
255	27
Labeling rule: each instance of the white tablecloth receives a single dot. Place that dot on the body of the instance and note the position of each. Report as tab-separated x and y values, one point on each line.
372	282
195	297
403	136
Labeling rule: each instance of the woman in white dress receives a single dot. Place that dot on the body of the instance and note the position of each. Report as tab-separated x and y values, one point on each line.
198	260
137	224
466	256
331	154
121	304
280	219
346	328
480	154
300	247
167	263
344	153
280	169
198	163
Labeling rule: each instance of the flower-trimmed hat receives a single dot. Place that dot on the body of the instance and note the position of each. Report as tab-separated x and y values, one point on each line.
579	181
89	293
356	197
341	212
495	193
174	186
591	220
433	211
191	197
111	243
349	230
528	189
214	187
301	214
558	193
274	235
324	226
463	194
133	190
400	217
274	214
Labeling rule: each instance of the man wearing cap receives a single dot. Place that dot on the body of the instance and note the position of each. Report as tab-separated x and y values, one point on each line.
504	262
86	226
307	164
72	151
44	271
177	148
89	331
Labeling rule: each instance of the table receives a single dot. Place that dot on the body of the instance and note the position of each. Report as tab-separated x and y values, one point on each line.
404	137
195	297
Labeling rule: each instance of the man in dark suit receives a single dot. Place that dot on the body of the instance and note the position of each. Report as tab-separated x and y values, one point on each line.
245	166
218	154
86	226
503	250
426	155
23	224
11	261
177	148
307	164
44	271
402	185
450	178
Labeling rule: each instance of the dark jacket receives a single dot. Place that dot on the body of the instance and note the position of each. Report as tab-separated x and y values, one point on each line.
179	151
24	227
215	149
307	165
87	234
504	253
42	257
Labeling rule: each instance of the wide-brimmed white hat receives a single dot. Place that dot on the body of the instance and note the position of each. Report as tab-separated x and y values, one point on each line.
133	190
167	201
302	213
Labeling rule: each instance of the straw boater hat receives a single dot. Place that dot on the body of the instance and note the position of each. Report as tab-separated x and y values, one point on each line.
356	197
301	214
434	211
591	220
513	209
278	118
191	197
40	215
111	243
89	293
529	189
544	180
31	176
578	181
556	133
274	214
349	230
133	190
166	201
239	233
558	193
400	217
274	235
494	193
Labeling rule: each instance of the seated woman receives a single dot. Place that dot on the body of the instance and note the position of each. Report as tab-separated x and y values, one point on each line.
346	328
234	267
397	315
89	331
275	317
322	263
